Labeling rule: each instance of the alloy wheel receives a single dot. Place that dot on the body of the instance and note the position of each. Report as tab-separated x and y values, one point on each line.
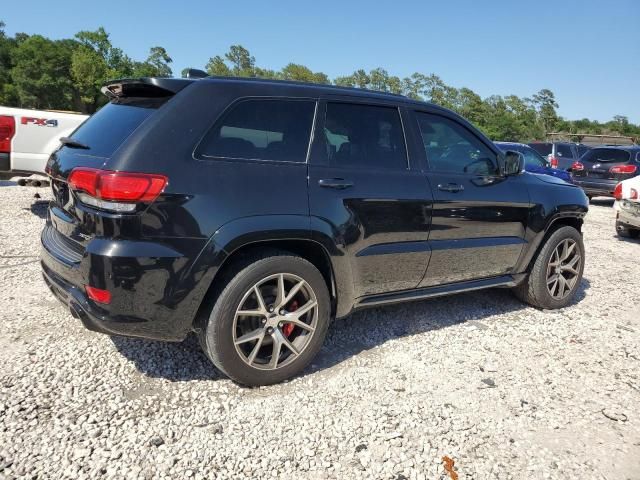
275	321
563	269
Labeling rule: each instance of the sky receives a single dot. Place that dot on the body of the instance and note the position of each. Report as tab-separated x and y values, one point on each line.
587	52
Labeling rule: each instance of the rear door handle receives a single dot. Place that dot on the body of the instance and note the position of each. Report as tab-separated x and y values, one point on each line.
337	183
450	187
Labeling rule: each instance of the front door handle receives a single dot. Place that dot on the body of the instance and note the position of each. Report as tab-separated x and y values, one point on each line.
451	187
337	183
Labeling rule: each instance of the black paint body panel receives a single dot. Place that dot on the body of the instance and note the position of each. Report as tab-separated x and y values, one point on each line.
390	234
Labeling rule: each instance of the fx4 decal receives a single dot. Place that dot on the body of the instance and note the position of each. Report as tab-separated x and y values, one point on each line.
41	122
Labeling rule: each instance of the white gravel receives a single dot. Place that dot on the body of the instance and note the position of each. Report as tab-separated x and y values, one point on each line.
504	390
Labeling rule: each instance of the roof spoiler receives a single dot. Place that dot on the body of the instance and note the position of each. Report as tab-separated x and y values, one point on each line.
147	87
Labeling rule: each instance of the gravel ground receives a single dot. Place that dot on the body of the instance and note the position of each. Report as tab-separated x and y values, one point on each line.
503	390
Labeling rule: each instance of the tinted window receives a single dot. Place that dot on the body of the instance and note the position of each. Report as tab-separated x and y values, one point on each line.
262	129
452	148
564	151
582	149
364	135
603	155
532	158
110	126
542	148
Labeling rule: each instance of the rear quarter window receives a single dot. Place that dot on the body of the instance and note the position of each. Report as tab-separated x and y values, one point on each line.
110	126
261	129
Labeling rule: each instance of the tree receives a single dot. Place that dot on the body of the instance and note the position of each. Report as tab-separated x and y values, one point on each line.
242	61
545	101
156	64
40	72
217	67
8	94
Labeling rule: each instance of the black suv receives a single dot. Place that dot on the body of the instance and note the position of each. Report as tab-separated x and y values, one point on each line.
602	168
253	212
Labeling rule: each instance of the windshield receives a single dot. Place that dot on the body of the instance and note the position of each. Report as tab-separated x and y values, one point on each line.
110	126
604	155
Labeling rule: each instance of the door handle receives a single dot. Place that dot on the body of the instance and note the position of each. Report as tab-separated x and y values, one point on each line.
451	187
337	183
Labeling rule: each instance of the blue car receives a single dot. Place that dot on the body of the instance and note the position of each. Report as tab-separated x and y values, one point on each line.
534	162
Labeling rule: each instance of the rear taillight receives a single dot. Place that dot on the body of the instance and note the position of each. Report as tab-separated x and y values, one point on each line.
98	294
634	194
116	191
577	167
7	131
554	162
617	192
623	169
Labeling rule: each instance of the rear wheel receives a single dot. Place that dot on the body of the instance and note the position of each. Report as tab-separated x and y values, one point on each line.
269	321
557	271
626	232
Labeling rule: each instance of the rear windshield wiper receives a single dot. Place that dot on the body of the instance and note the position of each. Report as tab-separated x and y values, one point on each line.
70	142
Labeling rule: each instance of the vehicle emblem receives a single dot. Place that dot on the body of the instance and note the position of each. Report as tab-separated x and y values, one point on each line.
41	122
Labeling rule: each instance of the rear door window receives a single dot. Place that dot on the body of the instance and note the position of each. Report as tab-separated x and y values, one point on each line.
367	136
262	129
110	126
564	151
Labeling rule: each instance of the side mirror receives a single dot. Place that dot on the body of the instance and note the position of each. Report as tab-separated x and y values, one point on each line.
513	162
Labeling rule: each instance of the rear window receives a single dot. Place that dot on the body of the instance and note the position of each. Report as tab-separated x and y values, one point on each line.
262	129
110	126
564	151
605	155
541	148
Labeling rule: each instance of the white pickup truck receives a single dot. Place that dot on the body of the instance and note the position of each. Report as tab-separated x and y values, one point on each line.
28	137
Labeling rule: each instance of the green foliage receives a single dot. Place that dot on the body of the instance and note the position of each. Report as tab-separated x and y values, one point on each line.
68	74
40	72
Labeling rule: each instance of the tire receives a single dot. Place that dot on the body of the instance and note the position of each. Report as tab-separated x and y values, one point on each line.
625	232
224	328
534	291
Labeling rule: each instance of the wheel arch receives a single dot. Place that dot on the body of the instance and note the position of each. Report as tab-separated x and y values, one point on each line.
245	238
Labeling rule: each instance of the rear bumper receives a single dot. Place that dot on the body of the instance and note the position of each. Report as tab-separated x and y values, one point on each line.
627	216
602	188
156	291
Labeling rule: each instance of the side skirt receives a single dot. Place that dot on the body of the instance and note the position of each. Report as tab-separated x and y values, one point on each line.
437	291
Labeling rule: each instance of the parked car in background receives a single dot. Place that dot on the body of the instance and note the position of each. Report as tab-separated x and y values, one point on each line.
602	168
254	211
627	206
560	155
533	161
27	137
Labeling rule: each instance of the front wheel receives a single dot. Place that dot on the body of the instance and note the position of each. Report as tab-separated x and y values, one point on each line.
557	271
269	321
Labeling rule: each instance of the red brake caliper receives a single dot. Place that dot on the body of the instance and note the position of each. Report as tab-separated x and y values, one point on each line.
288	327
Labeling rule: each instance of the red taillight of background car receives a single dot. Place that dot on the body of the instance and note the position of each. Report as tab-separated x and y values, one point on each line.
617	192
623	169
577	167
554	162
7	131
116	190
98	294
